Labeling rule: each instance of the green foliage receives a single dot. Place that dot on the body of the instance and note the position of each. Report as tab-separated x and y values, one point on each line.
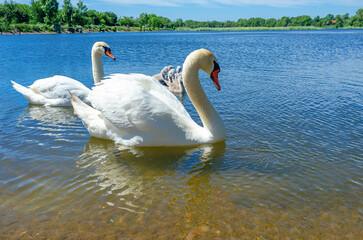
37	13
128	22
57	27
4	26
22	27
357	20
45	15
12	12
50	8
303	20
79	14
143	20
93	17
67	12
283	22
178	23
271	22
37	27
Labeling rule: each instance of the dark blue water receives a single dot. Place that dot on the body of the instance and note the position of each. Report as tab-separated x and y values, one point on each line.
291	166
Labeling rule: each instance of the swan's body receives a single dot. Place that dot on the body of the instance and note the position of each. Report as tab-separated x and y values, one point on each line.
54	91
136	110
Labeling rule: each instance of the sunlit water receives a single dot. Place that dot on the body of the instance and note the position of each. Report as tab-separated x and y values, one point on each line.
291	166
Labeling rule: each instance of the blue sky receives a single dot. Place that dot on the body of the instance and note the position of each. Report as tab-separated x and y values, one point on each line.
222	10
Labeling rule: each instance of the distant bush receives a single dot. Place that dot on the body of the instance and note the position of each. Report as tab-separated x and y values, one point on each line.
36	27
101	28
22	27
4	26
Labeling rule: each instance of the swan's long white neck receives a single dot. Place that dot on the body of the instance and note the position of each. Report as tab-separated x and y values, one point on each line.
208	115
97	66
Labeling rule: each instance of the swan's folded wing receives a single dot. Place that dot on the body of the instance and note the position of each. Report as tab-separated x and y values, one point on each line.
138	103
160	92
58	87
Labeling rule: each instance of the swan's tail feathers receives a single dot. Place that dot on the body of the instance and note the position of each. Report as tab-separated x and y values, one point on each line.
23	90
83	111
79	106
91	118
32	95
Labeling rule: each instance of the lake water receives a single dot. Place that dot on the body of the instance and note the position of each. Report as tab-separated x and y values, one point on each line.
291	166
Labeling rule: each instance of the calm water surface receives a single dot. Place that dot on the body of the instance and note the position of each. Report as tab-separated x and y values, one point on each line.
291	166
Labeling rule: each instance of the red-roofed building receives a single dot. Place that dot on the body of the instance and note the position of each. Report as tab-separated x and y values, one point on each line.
332	21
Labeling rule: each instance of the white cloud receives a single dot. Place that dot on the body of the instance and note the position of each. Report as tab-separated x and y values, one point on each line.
274	3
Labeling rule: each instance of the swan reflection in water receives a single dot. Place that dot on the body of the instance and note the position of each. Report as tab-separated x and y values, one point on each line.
139	176
50	125
50	115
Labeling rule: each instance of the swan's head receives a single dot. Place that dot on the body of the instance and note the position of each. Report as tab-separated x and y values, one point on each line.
208	63
102	48
178	69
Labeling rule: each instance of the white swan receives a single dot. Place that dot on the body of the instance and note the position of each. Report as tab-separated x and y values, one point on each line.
53	91
136	110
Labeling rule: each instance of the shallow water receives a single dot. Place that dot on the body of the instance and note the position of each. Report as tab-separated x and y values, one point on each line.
291	166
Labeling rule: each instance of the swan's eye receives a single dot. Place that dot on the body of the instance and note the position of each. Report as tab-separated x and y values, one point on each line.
216	67
214	75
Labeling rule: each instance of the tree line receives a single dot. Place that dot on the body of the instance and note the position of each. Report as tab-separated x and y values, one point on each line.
47	15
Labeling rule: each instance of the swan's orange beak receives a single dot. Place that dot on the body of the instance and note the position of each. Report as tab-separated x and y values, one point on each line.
214	77
108	53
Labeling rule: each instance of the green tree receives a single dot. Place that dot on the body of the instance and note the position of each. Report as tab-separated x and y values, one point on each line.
357	20
178	22
271	22
156	22
67	12
339	21
128	21
329	17
242	22
256	22
12	12
50	9
109	18
190	23
93	17
345	17
143	20
37	13
149	23
283	22
303	20
79	14
166	22
315	21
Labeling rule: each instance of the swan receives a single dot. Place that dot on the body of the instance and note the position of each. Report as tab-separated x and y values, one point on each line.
136	110
171	79
174	82
162	77
53	91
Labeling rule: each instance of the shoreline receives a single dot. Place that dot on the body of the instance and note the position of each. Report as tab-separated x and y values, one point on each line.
231	29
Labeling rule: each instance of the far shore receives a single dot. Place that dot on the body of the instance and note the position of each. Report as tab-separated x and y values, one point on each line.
232	29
